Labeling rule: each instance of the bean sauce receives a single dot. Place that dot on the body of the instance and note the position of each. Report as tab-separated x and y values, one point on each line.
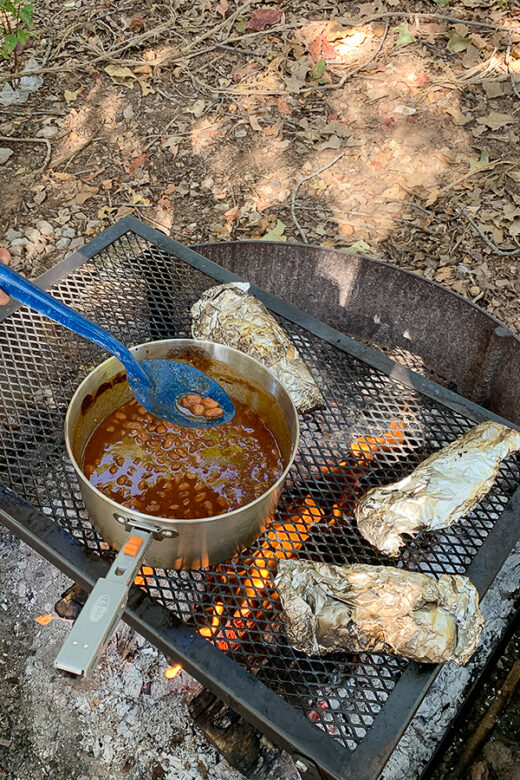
161	469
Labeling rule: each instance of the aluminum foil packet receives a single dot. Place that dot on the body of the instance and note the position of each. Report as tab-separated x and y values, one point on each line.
228	315
379	609
441	490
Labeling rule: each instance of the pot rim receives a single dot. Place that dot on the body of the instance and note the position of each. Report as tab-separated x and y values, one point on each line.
165	522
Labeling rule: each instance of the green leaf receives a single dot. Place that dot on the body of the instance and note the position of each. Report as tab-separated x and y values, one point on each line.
26	15
405	36
442	3
276	234
457	42
360	247
10	42
475	165
22	37
8	6
318	70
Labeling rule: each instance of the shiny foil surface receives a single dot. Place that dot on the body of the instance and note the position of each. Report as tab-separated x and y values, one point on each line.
378	609
441	490
228	315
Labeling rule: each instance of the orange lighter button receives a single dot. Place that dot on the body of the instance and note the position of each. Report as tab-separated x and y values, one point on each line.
132	546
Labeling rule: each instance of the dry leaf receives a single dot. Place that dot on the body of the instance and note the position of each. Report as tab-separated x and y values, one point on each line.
232	214
283	107
346	228
514	228
143	69
495	120
198	108
138	162
332	143
105	211
432	197
222	7
146	89
85	194
70	97
264	17
444	273
119	74
253	121
458	117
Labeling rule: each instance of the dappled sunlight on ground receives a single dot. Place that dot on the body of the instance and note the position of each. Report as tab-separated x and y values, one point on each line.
410	119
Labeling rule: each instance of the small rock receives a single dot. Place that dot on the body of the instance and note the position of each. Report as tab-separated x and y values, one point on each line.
5	154
47	132
40	197
34	248
12	235
68	232
45	227
18	242
33	234
240	133
76	243
128	112
63	243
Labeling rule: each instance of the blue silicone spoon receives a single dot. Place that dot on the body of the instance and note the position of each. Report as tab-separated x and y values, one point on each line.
157	384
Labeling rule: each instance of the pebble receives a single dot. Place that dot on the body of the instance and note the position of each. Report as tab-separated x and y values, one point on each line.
128	112
5	154
45	227
76	243
63	243
12	235
33	234
68	232
240	133
47	132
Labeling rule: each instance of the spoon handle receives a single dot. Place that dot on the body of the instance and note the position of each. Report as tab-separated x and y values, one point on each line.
26	292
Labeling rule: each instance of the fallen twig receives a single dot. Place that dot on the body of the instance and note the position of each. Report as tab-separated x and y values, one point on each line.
488	721
350	73
297	187
440	17
510	69
480	169
248	52
26	139
491	245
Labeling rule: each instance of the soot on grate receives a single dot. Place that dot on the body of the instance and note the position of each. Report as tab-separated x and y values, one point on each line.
372	431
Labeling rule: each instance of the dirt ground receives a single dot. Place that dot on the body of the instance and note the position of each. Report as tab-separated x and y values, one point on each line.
387	128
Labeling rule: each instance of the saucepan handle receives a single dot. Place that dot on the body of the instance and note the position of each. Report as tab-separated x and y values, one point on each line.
103	609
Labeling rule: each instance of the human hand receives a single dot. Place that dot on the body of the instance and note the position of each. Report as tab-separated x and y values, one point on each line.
5	257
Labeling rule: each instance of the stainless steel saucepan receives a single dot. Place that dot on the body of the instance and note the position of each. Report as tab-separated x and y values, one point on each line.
168	543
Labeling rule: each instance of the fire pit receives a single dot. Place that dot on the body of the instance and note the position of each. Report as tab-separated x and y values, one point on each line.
337	716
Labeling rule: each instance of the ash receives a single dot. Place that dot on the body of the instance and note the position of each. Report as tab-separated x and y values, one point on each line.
126	722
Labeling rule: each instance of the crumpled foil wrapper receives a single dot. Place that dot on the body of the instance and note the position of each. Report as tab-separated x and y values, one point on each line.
378	609
228	315
441	490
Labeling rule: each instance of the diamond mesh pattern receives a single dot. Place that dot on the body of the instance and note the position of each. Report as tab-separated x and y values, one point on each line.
142	293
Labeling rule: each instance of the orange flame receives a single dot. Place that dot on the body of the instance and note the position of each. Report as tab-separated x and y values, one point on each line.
172	671
44	620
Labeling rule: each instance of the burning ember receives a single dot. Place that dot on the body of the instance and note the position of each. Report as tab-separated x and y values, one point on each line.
172	671
44	620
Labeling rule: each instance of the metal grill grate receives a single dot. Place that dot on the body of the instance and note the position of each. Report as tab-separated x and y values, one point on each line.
141	293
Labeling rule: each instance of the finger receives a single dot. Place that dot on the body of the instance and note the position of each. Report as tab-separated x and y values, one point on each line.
5	257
